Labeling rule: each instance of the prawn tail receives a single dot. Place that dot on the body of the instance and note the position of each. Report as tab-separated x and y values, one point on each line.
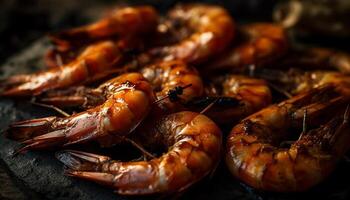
12	80
51	139
102	178
27	129
88	166
30	84
11	86
81	161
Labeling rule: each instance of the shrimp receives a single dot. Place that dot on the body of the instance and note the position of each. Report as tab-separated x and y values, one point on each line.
213	29
91	64
255	153
173	82
128	101
56	57
235	97
121	22
193	142
262	43
296	81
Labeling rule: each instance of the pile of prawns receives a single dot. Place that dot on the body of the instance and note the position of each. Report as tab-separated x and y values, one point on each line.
168	91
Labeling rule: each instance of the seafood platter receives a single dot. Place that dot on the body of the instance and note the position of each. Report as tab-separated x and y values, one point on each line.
175	100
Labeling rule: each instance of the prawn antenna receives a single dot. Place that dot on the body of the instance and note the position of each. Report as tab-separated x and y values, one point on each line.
251	70
65	114
139	147
346	115
59	60
279	90
209	106
304	121
173	94
304	124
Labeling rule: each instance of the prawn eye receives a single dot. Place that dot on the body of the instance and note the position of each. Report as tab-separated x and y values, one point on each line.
178	90
173	94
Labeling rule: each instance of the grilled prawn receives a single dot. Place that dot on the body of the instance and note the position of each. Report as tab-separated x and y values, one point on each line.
262	43
193	144
256	151
128	99
94	61
212	27
235	97
119	22
54	57
174	83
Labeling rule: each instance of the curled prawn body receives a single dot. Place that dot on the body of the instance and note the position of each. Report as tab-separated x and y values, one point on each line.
54	57
262	43
174	83
255	153
193	145
128	99
235	97
121	22
93	61
212	27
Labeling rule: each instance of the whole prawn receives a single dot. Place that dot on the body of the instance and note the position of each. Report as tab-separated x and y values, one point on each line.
94	61
54	57
213	29
235	97
174	83
255	153
193	144
128	100
121	22
262	43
